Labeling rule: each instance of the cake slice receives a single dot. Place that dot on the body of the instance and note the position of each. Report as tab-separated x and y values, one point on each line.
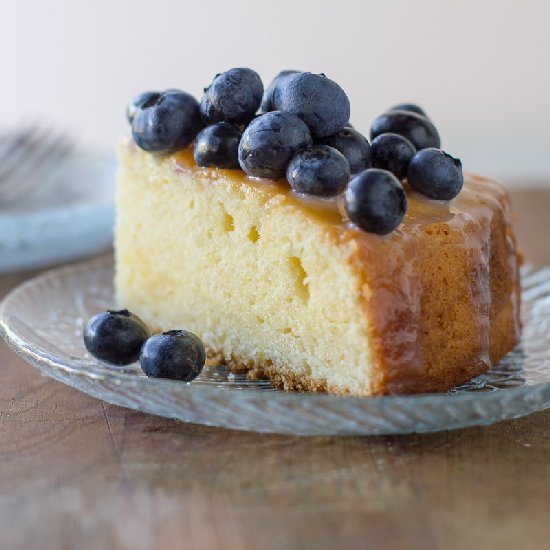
286	287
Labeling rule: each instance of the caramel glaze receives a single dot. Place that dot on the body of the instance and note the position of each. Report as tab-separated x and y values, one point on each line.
391	267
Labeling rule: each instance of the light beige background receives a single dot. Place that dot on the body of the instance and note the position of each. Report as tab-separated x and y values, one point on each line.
480	68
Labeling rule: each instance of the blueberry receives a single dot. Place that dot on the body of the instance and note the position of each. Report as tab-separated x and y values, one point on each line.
435	174
233	96
166	122
375	200
115	336
272	89
269	143
416	128
316	99
176	354
218	145
137	102
353	145
410	107
319	170
392	152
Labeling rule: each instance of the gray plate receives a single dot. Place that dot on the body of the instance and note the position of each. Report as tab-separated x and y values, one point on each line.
68	214
42	320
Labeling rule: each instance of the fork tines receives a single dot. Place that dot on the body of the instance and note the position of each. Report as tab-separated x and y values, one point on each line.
27	156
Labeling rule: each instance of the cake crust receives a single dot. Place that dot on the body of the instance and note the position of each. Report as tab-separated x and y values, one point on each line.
462	311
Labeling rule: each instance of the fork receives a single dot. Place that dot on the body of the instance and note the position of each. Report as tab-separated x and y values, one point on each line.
27	158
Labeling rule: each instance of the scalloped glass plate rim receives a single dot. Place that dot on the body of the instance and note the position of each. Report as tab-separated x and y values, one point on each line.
49	364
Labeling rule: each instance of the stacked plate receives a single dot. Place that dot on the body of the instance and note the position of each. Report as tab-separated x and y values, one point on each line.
56	203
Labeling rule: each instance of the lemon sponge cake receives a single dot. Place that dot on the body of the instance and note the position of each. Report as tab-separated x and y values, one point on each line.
285	286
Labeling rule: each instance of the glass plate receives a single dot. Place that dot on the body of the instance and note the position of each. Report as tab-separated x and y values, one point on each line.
42	320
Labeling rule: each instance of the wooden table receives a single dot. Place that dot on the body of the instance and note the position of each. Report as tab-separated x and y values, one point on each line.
79	473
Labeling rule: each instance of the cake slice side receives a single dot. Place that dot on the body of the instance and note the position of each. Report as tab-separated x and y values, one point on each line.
259	280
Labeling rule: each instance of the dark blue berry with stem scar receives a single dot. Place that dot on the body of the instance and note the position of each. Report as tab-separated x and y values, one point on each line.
233	96
410	107
272	89
417	129
392	152
353	145
115	336
137	102
218	145
166	122
269	143
375	201
176	354
316	99
435	174
319	170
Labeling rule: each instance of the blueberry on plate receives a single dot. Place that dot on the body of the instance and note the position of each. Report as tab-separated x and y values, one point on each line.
218	145
319	170
272	89
316	99
166	122
115	336
176	354
353	145
375	201
417	129
392	152
410	107
435	174
233	96
137	102
269	143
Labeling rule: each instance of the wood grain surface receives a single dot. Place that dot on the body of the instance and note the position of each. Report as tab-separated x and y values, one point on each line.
78	473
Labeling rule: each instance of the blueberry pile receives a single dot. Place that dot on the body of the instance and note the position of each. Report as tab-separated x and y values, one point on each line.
298	128
121	338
